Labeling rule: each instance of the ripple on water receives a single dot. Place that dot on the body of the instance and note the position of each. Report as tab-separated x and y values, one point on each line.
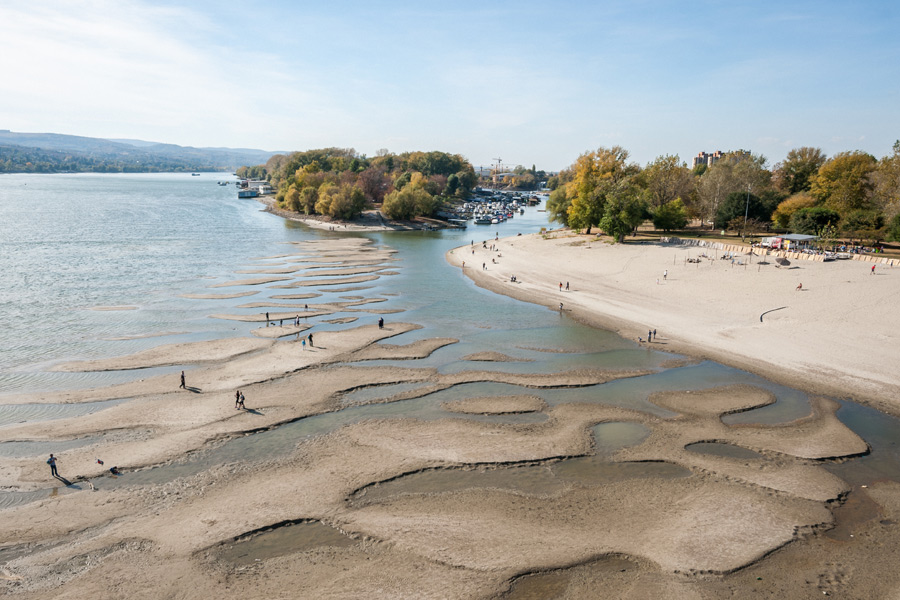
37	448
11	414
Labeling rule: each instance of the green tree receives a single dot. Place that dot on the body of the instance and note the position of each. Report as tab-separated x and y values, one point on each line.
595	175
452	185
864	224
737	205
402	180
793	175
893	229
667	178
670	215
625	209
558	206
810	220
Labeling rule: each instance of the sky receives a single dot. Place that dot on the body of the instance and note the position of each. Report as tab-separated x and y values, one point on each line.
531	83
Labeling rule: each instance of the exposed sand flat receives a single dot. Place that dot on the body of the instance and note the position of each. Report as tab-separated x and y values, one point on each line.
574	378
818	436
299	307
352	289
339	272
273	271
273	316
360	302
278	331
417	349
349	263
218	296
295	296
822	339
255	281
496	405
326	282
340	320
171	354
494	357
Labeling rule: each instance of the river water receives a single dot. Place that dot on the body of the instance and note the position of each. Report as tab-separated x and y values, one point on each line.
97	266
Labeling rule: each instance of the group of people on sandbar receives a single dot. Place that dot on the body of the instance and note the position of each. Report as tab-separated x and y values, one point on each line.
651	335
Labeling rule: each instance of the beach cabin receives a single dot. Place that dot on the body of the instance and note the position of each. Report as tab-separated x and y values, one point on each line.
798	241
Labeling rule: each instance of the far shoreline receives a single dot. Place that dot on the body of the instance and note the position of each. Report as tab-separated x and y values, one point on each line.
368	222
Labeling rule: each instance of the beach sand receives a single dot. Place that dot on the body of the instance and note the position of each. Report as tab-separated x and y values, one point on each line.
463	506
839	335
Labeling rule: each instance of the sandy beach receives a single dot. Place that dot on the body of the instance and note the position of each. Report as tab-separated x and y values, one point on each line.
496	496
833	328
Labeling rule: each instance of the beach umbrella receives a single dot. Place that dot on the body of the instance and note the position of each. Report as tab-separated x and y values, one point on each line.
783	262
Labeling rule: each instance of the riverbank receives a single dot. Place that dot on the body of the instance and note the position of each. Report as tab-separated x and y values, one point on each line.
829	328
368	221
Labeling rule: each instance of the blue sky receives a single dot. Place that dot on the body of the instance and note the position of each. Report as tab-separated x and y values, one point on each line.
529	82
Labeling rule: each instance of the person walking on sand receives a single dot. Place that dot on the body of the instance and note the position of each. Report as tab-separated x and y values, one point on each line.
52	462
560	307
267	319
873	270
654	334
237	399
241	401
665	274
650	335
182	386
799	287
567	286
303	343
309	338
380	323
560	286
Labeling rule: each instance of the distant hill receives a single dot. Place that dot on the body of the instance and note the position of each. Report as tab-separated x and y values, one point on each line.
54	152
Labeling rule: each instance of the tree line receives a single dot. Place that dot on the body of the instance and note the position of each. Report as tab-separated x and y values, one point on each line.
852	194
21	159
340	183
